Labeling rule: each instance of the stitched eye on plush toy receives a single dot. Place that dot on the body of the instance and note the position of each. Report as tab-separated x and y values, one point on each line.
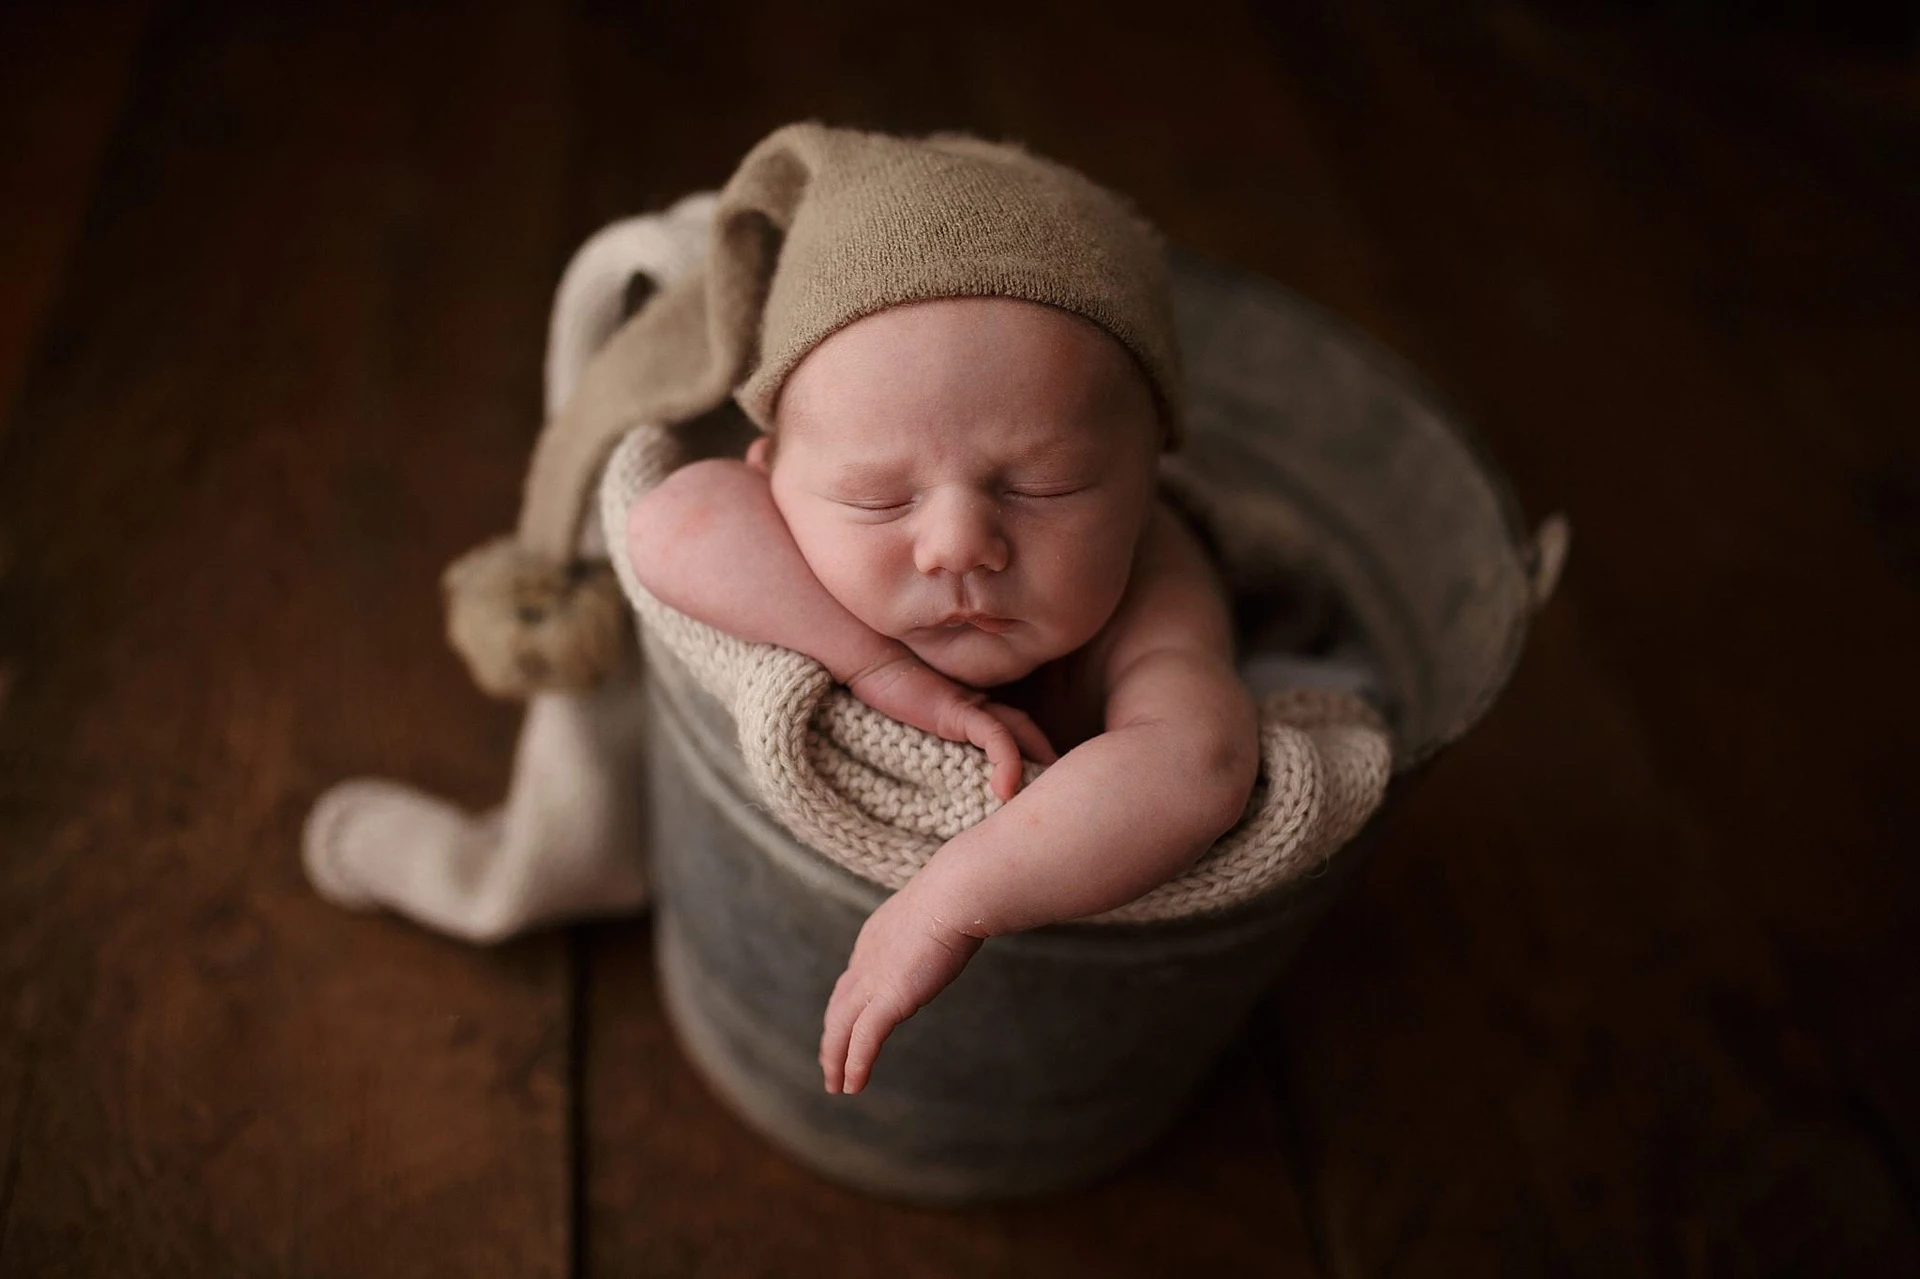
640	288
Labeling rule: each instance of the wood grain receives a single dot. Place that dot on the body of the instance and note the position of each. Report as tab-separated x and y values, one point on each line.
1650	1067
293	371
63	72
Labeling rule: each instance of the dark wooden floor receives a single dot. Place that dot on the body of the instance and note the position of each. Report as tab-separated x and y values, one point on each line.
1630	986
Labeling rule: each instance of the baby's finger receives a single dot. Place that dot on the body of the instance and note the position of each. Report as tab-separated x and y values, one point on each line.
993	737
842	1011
1006	779
1033	743
876	1022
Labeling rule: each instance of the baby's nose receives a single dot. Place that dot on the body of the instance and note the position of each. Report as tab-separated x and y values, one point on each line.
961	534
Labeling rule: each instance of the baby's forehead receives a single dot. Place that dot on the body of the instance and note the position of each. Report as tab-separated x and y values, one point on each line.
854	442
1015	377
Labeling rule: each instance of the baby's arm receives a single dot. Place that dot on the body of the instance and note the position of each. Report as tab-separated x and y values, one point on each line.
709	541
1117	816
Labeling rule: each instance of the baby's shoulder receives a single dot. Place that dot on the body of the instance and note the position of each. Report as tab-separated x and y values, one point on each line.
1175	598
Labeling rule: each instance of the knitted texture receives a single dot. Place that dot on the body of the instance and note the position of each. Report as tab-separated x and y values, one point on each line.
879	797
859	222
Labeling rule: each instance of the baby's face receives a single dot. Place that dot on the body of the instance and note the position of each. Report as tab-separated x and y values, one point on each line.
969	476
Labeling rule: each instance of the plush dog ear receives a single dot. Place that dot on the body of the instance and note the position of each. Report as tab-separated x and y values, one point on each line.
640	287
541	611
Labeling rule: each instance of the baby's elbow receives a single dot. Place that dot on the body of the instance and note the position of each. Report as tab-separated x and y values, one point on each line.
643	536
670	517
649	523
1230	765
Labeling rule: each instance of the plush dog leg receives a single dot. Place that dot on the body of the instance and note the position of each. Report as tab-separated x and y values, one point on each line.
567	843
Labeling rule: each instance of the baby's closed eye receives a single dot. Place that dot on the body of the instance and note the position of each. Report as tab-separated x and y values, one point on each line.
876	503
875	508
1043	491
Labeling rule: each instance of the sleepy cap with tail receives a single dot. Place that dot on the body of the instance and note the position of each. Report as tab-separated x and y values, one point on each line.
817	228
855	223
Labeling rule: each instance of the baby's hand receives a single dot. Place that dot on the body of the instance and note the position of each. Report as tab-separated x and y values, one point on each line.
911	691
903	957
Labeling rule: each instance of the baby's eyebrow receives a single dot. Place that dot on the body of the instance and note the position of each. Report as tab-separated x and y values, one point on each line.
860	474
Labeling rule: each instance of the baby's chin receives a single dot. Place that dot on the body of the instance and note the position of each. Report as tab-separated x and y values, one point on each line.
975	658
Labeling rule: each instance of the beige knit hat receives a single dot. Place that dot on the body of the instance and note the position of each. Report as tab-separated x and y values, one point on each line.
866	222
817	228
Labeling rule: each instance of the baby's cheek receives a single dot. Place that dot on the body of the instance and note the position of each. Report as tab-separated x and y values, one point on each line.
1084	589
864	583
841	558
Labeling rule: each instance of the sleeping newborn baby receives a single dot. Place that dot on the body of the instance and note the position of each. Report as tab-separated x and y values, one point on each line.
953	508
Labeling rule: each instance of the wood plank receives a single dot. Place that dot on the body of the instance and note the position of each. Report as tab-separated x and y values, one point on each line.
1604	954
1791	243
62	73
294	370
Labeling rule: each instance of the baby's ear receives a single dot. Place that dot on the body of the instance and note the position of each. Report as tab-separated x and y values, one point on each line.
760	454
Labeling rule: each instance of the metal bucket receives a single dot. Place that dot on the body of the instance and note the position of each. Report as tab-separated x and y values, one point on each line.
1061	1052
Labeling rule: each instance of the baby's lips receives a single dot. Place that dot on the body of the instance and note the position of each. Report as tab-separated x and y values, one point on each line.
991	623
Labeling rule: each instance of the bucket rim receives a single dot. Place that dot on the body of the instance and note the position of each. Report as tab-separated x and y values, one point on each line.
1394	370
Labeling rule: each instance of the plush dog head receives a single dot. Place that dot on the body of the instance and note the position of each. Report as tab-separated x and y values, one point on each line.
524	624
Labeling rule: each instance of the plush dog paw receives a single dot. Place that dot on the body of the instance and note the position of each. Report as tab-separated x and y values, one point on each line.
359	828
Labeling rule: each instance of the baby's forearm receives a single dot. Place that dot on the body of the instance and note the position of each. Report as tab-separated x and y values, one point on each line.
1118	816
1114	818
709	541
